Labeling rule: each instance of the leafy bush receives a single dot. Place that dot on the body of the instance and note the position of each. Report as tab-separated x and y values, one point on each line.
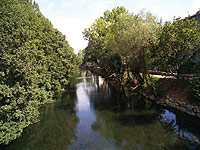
35	61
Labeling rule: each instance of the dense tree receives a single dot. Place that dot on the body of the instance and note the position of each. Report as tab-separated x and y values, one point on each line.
35	61
56	129
120	42
96	52
178	42
130	38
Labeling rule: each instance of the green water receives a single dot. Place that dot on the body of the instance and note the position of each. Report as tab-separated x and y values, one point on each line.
96	116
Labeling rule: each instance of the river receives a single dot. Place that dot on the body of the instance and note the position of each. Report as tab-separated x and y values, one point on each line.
97	116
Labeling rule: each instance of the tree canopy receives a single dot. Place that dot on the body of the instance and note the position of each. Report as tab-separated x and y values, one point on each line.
35	62
121	42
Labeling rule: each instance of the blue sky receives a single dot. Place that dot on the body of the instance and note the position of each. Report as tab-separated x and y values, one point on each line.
72	16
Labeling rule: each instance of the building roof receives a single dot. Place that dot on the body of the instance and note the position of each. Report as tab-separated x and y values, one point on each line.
196	16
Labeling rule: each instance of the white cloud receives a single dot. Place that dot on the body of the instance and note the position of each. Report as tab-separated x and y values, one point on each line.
100	7
164	9
66	4
72	28
81	13
41	1
51	5
82	1
195	6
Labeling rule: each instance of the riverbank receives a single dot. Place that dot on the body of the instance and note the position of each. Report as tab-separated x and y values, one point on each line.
176	94
169	92
91	115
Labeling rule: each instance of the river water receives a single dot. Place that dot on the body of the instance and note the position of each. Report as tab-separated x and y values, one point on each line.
97	116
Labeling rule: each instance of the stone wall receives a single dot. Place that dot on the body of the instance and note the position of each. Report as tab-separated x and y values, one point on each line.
178	105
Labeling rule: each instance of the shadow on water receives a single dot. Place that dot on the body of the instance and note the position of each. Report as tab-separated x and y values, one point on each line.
98	115
55	131
135	123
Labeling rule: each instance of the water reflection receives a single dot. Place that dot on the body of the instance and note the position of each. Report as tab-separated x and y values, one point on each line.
134	123
99	116
55	131
186	127
86	138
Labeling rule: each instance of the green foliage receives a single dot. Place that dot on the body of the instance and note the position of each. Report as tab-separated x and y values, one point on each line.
35	61
153	82
196	89
56	129
130	36
80	57
177	43
121	42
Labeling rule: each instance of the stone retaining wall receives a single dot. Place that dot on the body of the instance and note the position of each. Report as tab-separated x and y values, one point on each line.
181	106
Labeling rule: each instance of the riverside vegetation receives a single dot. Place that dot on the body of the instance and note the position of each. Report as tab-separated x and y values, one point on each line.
126	46
35	62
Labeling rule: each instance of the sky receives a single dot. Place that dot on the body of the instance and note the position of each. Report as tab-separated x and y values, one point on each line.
71	17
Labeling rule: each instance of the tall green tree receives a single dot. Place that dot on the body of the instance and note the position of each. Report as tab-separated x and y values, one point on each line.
120	41
35	61
96	51
130	38
177	43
